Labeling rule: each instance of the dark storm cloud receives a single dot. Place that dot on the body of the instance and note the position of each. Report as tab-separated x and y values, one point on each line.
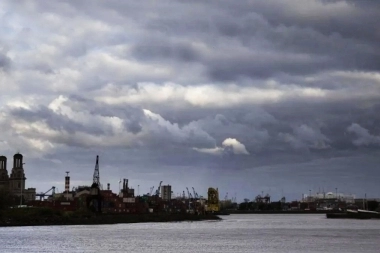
161	50
349	19
331	42
262	66
264	30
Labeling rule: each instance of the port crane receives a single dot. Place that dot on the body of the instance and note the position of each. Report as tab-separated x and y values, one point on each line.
158	189
195	194
96	177
42	195
262	199
189	194
151	190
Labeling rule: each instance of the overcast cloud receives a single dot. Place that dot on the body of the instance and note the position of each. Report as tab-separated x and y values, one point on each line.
248	96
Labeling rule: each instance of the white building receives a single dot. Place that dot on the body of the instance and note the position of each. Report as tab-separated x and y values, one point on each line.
350	198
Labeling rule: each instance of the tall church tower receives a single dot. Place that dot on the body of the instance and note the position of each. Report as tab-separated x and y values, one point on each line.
4	183
17	178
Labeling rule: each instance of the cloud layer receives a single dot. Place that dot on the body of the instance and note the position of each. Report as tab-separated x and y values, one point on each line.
282	91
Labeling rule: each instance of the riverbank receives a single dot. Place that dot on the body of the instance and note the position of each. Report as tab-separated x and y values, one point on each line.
278	212
45	217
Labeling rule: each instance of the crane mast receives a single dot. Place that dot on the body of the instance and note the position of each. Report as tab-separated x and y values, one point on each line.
96	177
158	189
151	190
188	192
195	193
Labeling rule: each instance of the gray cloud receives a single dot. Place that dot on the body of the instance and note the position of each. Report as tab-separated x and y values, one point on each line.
162	49
5	61
306	137
363	135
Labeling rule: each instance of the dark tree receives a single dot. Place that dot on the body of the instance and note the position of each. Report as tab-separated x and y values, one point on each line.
6	200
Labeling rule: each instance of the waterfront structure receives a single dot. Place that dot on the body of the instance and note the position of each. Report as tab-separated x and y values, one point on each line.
166	192
330	197
15	182
213	204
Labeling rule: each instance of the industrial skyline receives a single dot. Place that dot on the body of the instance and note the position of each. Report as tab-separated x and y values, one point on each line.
16	183
280	97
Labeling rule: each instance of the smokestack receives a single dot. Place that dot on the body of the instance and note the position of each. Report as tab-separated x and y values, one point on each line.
126	184
67	184
108	186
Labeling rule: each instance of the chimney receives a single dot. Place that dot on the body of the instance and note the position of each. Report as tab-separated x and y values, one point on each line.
108	186
67	184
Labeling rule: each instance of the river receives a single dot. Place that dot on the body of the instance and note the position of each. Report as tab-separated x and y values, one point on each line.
235	233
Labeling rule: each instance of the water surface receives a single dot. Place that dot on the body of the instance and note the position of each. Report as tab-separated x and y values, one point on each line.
235	233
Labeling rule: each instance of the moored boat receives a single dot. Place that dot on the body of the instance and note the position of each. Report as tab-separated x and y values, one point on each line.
353	214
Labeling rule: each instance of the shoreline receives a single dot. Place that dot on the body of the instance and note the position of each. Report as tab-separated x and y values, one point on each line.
279	212
103	219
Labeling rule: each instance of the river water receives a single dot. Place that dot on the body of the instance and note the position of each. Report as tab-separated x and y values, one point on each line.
235	233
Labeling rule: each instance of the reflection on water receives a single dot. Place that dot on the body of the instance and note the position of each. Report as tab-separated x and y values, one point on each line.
236	233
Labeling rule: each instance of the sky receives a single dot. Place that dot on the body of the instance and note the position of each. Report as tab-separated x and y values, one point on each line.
248	96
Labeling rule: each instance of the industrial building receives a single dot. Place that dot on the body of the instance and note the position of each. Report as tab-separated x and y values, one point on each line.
97	199
166	192
15	182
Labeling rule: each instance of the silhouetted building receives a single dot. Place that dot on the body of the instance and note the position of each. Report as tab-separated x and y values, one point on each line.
4	178
15	183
